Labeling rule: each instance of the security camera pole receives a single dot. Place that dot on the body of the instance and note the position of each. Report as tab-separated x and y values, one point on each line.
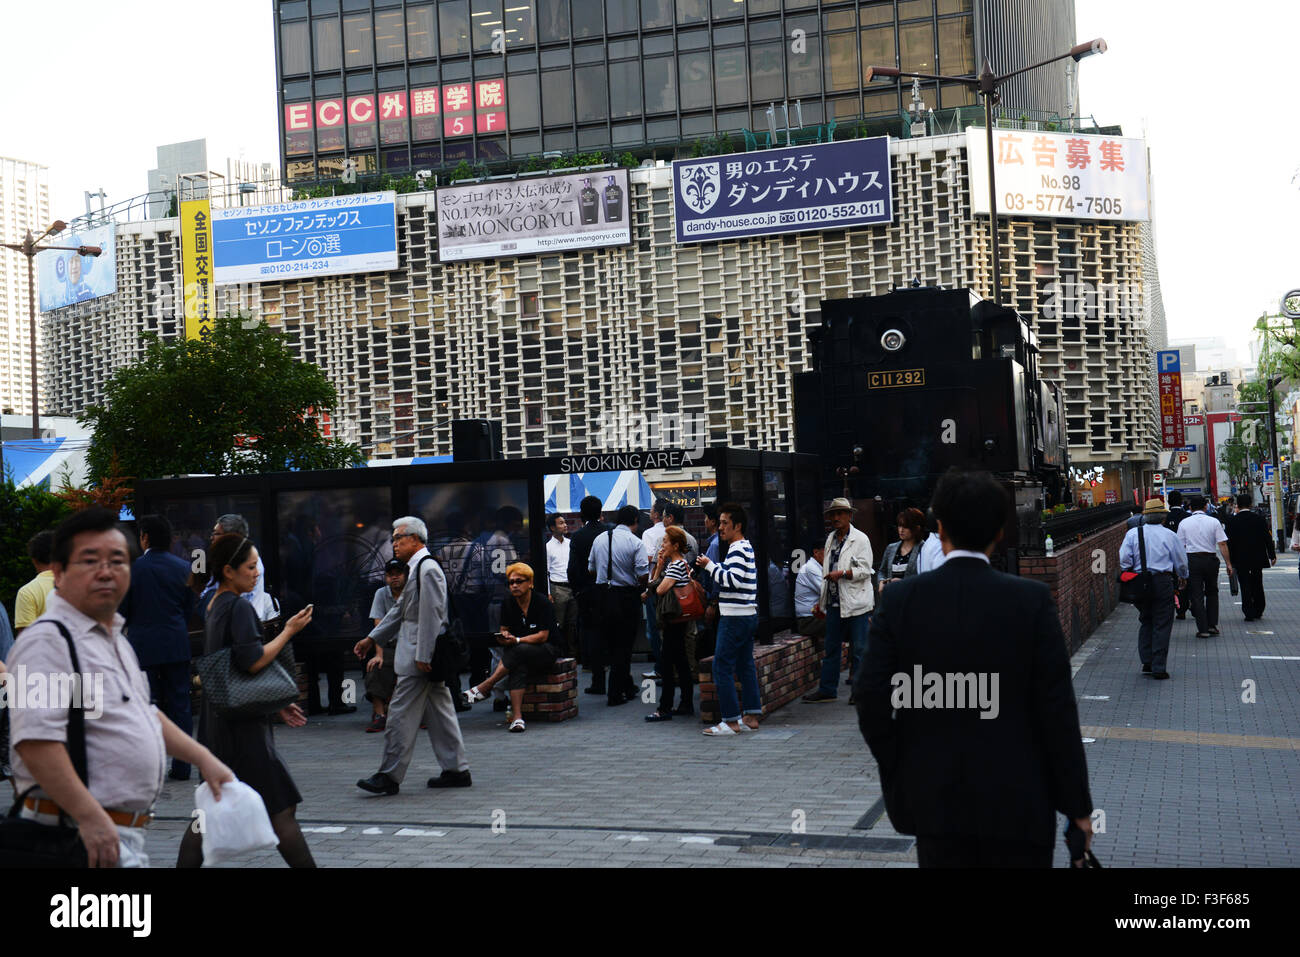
29	247
986	85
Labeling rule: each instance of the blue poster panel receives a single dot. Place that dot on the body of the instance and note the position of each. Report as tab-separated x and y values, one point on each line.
786	190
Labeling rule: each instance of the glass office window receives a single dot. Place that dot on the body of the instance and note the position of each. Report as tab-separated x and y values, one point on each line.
590	22
729	76
519	23
332	548
557	97
804	69
485	21
766	76
361	136
882	101
328	86
589	53
621	16
692	11
453	26
763	6
841	61
727	9
695	81
420	32
591	85
799	4
552	20
325	43
916	47
725	36
357	41
956	47
840	20
877	47
875	13
625	88
954	6
390	36
692	39
476	531
912	9
522	91
622	49
290	11
319	7
656	13
956	94
294	48
660	85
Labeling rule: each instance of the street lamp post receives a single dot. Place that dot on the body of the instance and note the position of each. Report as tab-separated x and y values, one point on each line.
986	85
29	247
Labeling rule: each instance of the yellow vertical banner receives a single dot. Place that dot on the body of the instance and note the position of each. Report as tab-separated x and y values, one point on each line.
196	268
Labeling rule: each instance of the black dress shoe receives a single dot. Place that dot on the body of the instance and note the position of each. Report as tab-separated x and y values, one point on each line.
684	710
378	783
1159	675
594	690
461	705
1214	633
451	779
616	699
1146	669
336	709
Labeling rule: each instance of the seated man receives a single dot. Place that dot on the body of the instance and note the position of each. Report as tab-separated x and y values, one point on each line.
807	591
527	653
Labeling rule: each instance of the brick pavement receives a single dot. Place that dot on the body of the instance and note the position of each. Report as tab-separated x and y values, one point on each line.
609	790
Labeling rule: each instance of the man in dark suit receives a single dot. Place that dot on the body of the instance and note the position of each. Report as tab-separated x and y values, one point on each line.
157	610
583	584
1250	546
965	699
1176	515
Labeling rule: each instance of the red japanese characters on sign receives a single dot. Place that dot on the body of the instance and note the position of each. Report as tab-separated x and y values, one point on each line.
1173	431
457	109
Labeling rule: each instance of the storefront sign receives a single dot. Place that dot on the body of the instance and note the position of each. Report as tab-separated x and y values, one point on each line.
535	215
624	461
1059	175
788	190
1173	431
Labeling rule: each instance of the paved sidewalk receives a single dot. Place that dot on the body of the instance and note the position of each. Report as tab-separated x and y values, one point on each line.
1186	773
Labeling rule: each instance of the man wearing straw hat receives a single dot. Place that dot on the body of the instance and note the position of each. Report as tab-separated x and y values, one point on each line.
847	596
1166	559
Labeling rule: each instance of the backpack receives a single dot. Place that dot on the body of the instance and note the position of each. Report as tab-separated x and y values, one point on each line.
451	650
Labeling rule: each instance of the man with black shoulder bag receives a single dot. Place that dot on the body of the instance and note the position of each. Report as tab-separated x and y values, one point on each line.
1153	565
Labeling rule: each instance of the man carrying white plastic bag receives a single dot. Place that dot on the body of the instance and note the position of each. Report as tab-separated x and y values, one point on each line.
234	825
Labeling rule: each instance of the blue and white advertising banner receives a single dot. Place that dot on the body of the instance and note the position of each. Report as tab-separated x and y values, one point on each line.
64	278
786	190
315	237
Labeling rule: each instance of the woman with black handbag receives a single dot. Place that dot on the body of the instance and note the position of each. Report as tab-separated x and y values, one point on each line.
246	743
671	570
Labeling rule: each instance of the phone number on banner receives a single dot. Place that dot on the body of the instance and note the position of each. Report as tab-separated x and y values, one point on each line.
818	214
1062	202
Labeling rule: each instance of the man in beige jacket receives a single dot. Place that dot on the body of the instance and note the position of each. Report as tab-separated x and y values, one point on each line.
847	596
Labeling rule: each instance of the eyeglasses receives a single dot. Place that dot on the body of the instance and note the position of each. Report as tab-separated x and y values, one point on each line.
94	564
402	535
516	581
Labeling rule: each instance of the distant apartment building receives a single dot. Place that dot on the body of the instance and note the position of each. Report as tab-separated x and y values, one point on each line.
24	205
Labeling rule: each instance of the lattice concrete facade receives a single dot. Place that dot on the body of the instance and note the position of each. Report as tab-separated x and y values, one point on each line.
568	350
24	205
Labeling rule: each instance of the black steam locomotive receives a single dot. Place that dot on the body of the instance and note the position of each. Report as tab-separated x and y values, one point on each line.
907	384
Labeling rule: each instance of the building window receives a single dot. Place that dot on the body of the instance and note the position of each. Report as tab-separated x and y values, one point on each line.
485	20
695	81
523	101
692	11
557	95
729	75
553	20
625	88
912	9
656	13
592	21
420	32
957	47
390	36
519	23
660	85
620	16
590	83
356	41
877	13
954	6
453	26
804	69
841	61
765	71
325	40
916	47
294	48
878	47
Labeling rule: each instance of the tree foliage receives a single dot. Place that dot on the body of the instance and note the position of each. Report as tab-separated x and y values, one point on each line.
1250	440
23	513
238	402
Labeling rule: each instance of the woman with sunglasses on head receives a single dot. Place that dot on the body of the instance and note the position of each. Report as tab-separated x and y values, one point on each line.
246	744
527	652
672	570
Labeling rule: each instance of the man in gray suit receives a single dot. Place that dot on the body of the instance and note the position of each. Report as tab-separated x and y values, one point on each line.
410	630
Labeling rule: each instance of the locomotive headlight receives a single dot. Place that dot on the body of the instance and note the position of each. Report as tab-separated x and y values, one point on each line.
893	340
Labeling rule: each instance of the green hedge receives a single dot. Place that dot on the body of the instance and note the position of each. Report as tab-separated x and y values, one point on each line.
23	513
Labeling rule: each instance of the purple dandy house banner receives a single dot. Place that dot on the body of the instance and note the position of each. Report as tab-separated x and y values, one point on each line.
792	189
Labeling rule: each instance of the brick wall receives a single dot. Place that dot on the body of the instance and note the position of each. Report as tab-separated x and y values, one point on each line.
787	669
1082	579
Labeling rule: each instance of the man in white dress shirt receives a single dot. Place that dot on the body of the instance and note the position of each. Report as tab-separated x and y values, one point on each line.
1202	535
557	577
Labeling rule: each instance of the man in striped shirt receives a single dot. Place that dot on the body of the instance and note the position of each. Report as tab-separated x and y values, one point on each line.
737	581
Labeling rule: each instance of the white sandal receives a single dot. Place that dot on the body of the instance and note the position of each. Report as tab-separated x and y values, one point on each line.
718	730
517	725
473	694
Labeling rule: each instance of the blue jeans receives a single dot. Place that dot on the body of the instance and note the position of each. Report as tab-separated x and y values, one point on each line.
652	627
854	629
735	650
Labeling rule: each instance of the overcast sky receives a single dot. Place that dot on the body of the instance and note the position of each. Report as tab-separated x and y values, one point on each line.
91	88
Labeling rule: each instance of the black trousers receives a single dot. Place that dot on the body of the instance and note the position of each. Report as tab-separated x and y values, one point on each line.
1155	622
331	663
1252	591
980	852
620	614
1203	589
169	686
674	667
593	651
